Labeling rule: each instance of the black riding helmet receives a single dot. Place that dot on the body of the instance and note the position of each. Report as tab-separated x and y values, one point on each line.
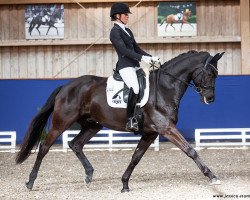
118	8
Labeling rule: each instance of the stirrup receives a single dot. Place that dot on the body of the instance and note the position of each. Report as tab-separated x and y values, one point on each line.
132	124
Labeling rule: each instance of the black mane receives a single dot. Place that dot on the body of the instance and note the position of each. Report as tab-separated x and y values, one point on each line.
182	56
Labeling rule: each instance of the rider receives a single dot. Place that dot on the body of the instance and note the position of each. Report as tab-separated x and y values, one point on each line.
46	14
129	56
179	13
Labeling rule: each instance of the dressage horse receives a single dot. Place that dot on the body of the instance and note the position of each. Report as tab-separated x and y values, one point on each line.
38	21
84	101
171	19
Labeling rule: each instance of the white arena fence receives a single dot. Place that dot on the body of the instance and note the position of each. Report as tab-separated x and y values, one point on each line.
8	140
221	137
108	139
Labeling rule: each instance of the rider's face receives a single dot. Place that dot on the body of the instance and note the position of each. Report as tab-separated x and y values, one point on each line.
124	18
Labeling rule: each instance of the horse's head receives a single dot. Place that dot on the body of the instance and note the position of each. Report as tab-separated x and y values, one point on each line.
187	13
204	78
57	14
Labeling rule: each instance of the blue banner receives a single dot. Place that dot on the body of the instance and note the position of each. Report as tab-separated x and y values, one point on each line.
20	100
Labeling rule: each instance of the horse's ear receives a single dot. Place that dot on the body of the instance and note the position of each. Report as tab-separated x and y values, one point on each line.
221	54
217	57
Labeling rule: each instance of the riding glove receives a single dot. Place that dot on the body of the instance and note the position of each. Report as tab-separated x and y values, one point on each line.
156	59
147	59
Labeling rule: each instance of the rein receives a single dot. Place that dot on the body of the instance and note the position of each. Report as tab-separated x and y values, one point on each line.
197	89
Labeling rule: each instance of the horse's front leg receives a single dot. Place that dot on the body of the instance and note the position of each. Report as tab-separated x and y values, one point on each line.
181	27
172	134
190	25
141	148
48	30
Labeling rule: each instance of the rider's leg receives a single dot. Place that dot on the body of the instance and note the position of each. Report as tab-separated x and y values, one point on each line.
129	76
132	123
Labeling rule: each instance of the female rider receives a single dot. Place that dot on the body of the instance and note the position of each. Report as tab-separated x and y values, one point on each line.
129	56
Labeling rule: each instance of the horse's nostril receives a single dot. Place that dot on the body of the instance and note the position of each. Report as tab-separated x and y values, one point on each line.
210	99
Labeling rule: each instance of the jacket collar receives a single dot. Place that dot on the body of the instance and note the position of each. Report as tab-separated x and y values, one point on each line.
123	30
121	25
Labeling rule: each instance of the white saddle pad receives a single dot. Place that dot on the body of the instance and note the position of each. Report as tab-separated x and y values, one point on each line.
178	17
114	86
43	19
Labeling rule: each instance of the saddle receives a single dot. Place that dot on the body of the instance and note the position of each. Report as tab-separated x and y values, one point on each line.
117	92
142	85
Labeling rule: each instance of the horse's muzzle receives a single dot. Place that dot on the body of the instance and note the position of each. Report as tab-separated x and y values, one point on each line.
208	100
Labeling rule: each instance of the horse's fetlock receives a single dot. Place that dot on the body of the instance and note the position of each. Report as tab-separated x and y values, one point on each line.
192	153
90	171
124	179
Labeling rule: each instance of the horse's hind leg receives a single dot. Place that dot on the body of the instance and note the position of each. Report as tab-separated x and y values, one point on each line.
172	134
53	134
89	129
37	28
141	148
166	27
43	150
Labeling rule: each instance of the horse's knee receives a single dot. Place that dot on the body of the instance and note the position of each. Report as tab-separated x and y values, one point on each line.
191	153
75	147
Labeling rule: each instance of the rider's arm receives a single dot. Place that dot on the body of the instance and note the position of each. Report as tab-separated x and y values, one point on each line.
120	46
136	46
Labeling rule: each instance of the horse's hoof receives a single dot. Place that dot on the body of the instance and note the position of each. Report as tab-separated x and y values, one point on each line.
88	180
29	185
124	190
215	181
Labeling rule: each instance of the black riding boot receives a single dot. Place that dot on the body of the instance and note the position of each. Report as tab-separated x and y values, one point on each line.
132	124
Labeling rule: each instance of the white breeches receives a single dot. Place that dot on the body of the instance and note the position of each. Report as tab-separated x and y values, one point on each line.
129	76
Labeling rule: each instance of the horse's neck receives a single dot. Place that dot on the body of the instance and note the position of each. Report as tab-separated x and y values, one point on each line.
174	83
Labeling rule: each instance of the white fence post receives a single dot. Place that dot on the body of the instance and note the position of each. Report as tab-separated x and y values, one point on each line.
108	141
228	138
243	133
11	138
197	138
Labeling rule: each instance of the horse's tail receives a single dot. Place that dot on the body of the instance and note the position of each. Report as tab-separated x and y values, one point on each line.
36	127
162	21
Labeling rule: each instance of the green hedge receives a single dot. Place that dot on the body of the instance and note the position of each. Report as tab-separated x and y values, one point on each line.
159	18
192	19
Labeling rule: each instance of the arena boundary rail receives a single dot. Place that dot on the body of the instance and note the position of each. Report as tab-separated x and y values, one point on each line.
222	137
108	139
8	137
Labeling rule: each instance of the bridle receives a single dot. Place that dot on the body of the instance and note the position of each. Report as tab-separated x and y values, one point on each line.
202	72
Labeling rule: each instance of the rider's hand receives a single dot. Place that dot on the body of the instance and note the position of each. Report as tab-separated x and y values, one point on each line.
156	60
147	59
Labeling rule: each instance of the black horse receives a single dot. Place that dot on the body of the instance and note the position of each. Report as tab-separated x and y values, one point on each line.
37	21
84	101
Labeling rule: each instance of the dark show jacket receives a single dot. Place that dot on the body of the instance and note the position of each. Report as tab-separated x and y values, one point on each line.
129	53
